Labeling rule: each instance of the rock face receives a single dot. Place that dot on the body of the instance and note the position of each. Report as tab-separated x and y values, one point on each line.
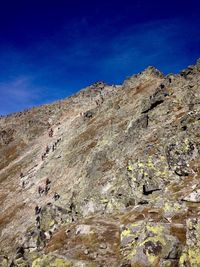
107	177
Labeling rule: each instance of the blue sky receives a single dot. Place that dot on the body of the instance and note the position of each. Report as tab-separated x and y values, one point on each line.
51	49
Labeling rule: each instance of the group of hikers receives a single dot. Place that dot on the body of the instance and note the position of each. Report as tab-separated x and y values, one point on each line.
43	190
38	212
38	209
42	234
55	144
47	150
45	153
46	188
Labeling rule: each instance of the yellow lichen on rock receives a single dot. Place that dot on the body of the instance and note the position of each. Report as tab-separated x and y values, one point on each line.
49	261
155	229
194	256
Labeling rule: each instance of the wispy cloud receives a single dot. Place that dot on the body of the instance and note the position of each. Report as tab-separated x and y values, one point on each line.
18	93
17	89
79	54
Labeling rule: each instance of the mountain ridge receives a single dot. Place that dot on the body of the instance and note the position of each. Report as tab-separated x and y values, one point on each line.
107	177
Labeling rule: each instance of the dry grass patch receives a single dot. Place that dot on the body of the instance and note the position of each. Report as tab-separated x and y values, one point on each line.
9	214
179	232
57	242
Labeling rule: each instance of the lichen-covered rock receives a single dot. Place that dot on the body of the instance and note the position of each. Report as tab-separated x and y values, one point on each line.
191	254
52	216
7	136
173	209
3	261
154	100
179	154
146	244
135	126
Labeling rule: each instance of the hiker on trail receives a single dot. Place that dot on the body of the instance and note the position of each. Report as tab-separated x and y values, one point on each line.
56	196
47	188
57	141
37	210
47	149
23	184
72	207
43	237
42	234
51	133
102	99
73	211
21	175
40	190
47	181
38	222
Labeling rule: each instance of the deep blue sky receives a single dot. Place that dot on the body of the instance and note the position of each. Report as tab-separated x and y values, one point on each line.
50	49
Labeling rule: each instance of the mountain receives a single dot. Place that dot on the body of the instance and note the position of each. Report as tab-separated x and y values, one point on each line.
107	177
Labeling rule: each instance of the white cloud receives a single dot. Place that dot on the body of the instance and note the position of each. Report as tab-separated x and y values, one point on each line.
19	89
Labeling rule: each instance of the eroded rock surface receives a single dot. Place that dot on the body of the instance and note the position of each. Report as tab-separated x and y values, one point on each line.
107	177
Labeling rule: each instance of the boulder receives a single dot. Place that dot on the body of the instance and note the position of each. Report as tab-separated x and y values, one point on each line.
193	196
147	244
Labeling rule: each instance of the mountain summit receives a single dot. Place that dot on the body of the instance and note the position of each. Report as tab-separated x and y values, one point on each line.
107	177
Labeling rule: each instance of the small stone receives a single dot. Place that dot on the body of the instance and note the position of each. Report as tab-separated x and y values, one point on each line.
150	187
103	245
95	255
193	197
86	252
83	229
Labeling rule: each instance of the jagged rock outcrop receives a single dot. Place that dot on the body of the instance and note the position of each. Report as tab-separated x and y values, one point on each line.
107	177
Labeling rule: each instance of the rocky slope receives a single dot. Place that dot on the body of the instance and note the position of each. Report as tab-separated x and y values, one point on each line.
107	177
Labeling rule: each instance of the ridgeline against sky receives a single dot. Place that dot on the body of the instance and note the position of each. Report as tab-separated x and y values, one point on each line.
50	49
